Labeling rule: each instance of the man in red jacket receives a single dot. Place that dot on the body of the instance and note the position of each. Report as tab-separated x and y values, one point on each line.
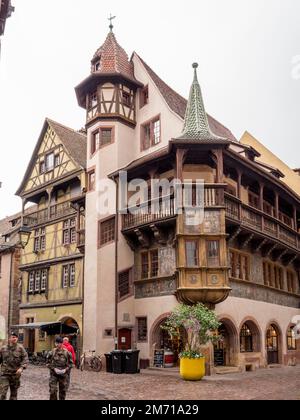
70	348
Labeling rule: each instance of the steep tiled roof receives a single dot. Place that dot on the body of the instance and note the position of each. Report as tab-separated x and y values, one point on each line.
74	141
196	127
113	58
178	104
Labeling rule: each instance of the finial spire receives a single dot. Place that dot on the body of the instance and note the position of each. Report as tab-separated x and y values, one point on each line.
111	18
196	125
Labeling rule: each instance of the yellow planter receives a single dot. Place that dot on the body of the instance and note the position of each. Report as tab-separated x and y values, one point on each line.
192	369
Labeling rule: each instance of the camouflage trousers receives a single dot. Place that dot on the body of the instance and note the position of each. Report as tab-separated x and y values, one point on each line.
11	382
60	384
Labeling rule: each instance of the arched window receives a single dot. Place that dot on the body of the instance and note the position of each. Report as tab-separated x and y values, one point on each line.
291	339
246	339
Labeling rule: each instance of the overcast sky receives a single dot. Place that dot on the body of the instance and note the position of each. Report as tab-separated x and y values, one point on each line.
248	53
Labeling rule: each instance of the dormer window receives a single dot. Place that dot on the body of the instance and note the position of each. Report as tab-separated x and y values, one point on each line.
97	65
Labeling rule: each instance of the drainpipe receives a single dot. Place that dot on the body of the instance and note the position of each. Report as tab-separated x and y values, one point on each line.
116	264
9	320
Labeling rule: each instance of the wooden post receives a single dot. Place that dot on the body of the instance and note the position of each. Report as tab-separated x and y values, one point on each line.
295	218
261	196
180	158
239	184
261	204
49	192
276	205
277	212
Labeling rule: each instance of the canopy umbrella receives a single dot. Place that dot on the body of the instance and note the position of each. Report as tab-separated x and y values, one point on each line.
51	328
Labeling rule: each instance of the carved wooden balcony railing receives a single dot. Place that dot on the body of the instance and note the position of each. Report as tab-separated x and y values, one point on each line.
260	221
54	212
81	240
166	208
144	215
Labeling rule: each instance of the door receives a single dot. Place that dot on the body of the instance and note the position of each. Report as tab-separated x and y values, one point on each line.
272	345
124	339
220	347
31	341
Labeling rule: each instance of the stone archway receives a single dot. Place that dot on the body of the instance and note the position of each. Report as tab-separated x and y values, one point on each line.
250	336
160	339
273	343
226	351
74	336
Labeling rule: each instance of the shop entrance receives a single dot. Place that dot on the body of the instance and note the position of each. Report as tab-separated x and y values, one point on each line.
162	341
225	350
272	343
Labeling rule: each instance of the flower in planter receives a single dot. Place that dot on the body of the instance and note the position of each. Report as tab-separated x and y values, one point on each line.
200	325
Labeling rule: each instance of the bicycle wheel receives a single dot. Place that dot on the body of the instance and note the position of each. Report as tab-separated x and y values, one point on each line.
96	364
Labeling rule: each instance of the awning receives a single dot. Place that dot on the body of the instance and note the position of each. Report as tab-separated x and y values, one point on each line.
51	328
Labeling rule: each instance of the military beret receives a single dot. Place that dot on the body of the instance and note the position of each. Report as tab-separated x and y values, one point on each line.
14	334
59	340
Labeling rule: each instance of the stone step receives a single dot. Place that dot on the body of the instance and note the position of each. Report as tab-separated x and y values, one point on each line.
226	370
164	370
275	366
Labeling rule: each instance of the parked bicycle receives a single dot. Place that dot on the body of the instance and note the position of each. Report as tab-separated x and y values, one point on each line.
90	360
38	359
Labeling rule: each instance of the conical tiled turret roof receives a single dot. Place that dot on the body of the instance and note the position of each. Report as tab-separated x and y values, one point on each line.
196	125
112	58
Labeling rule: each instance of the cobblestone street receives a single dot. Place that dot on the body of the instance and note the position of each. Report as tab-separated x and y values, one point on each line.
277	383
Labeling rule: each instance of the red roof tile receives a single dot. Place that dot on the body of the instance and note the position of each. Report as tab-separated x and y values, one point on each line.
113	58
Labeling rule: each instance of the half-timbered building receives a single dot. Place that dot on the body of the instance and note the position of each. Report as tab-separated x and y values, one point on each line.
52	262
242	259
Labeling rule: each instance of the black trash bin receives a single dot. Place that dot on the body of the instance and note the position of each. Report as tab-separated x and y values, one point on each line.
118	361
132	361
109	366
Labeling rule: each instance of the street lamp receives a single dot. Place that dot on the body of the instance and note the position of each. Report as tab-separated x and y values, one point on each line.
24	235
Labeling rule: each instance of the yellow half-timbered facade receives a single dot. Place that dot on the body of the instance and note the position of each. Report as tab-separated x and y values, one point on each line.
52	262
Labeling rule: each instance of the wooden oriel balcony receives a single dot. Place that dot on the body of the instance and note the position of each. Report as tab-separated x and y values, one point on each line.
51	213
166	209
81	240
257	220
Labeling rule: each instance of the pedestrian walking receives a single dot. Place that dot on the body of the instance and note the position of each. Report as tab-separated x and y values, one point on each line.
13	360
60	362
68	346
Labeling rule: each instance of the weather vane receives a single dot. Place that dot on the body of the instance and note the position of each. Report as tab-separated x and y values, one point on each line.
111	18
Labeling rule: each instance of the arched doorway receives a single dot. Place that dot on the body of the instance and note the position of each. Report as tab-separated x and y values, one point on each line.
225	350
160	339
250	338
273	344
70	329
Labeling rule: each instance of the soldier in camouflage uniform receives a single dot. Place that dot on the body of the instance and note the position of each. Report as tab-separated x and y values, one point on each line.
59	361
13	359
